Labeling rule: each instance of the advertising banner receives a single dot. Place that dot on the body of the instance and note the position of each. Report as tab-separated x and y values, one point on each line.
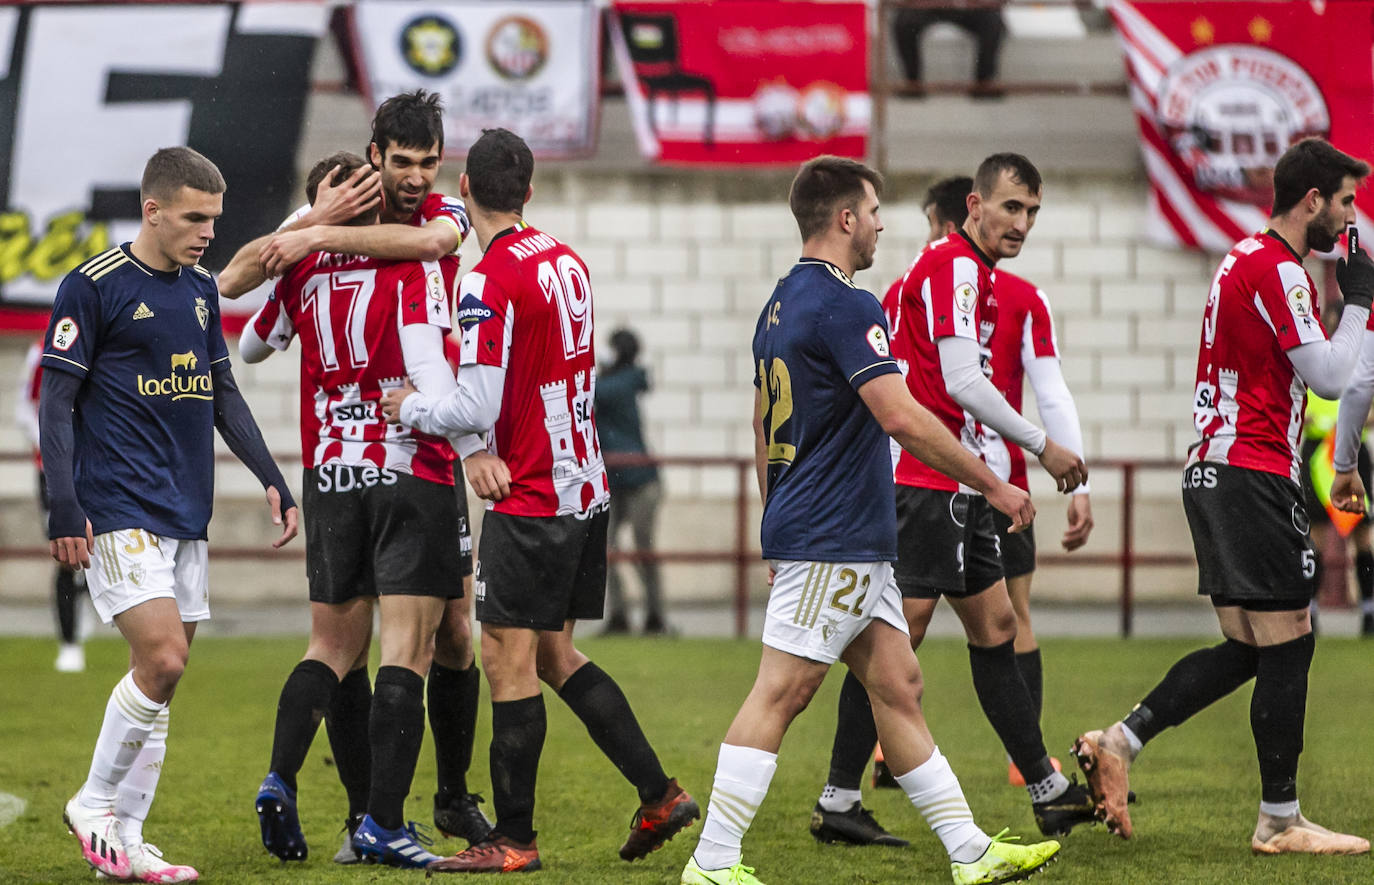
89	92
744	82
1221	89
531	67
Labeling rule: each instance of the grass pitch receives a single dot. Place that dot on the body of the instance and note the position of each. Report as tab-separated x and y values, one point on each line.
1198	785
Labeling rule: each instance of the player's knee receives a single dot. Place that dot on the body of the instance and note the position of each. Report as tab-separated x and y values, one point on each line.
164	665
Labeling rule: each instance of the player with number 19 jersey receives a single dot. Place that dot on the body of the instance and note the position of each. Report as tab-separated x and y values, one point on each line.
526	307
346	310
1249	402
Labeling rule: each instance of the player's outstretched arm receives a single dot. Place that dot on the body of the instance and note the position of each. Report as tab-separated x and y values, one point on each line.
243	274
68	528
234	421
922	434
391	242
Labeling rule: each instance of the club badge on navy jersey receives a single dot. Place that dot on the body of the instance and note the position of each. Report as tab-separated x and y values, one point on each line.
877	339
202	313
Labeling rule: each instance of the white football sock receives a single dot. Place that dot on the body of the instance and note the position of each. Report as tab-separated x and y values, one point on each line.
137	789
933	788
1136	744
834	798
742	778
1051	787
1280	809
129	717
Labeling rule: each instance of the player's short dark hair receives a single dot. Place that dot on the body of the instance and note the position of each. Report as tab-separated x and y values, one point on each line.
825	184
348	163
172	168
499	167
949	196
411	120
1312	163
990	171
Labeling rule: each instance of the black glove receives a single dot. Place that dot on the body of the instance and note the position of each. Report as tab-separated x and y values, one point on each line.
1356	278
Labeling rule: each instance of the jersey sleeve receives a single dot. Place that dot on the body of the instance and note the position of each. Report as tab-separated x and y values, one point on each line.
1038	338
446	210
214	333
951	291
272	322
74	328
856	339
425	299
1286	296
487	317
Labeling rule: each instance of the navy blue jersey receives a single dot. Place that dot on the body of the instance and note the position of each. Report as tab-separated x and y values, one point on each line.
830	494
143	341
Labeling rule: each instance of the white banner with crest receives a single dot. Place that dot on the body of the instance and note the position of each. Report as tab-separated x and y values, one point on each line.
530	67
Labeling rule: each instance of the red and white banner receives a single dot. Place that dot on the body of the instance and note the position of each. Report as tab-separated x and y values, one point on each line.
744	82
1220	89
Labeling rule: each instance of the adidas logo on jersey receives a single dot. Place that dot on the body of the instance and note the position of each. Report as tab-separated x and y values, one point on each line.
143	312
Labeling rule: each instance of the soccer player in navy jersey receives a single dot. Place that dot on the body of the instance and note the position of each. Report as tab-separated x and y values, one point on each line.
828	396
136	379
1262	347
416	224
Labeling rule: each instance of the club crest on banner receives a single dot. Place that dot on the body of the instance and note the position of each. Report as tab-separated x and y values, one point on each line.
517	47
431	45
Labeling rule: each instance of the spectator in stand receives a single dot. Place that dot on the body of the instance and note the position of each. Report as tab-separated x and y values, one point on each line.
635	489
67	583
983	23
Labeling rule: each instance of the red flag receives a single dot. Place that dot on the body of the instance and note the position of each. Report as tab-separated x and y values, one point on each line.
744	81
1221	89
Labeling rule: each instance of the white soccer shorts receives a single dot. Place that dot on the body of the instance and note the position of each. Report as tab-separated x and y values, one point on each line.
132	566
816	609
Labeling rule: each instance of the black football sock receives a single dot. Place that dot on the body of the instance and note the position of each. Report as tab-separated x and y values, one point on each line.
1364	574
517	739
1028	662
1277	710
1006	703
452	700
855	735
346	725
604	709
305	698
64	591
1193	683
396	727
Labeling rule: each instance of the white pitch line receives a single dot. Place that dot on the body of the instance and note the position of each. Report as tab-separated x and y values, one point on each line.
11	807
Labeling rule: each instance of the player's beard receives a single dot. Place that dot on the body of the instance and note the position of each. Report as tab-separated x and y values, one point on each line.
1320	236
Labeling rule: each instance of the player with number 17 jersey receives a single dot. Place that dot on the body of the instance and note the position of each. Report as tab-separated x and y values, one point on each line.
1249	402
526	307
346	310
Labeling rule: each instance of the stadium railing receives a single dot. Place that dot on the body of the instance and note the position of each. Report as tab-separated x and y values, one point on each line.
743	552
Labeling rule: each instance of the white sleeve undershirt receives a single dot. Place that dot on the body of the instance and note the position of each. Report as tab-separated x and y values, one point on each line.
422	348
1355	407
1057	408
252	349
971	389
1325	365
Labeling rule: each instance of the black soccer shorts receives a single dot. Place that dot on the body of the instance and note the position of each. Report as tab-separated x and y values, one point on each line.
1018	549
373	532
1251	536
946	544
538	572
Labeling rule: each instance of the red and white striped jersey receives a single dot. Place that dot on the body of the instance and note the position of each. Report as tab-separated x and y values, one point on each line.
948	291
1249	402
1024	331
348	311
527	307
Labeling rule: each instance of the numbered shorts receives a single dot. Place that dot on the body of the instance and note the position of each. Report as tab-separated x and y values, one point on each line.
538	572
371	532
1250	534
1018	549
815	609
946	544
460	488
132	566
